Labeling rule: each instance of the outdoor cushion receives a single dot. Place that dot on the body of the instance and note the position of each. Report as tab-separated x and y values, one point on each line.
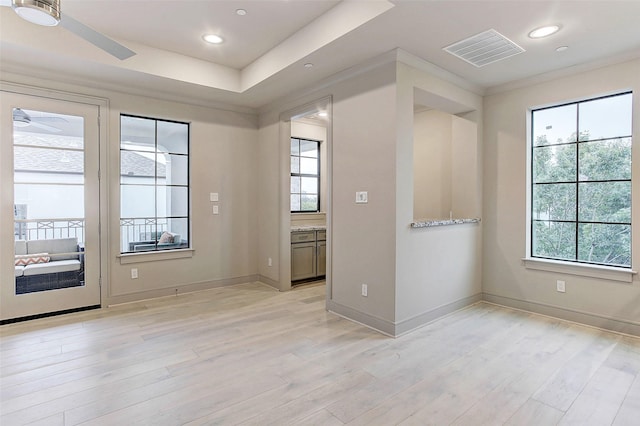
52	267
20	247
58	245
28	259
19	270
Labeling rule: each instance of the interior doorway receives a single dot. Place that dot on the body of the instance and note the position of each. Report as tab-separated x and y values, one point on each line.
50	216
306	178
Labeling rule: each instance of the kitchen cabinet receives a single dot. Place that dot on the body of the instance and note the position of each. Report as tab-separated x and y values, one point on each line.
308	254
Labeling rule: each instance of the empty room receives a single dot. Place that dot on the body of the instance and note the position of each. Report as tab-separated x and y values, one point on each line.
319	212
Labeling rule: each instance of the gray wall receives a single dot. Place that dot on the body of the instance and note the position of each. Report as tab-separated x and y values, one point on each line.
601	302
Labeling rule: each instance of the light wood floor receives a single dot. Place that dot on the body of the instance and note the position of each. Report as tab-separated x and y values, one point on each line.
250	355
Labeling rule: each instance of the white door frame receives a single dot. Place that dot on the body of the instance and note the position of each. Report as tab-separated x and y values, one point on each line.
6	244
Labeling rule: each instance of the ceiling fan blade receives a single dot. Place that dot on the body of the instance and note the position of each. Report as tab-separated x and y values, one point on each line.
94	37
45	127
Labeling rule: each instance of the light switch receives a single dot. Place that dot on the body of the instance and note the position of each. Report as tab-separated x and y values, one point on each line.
362	197
215	209
213	196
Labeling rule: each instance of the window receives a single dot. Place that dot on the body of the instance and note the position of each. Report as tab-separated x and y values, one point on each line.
581	181
305	175
154	184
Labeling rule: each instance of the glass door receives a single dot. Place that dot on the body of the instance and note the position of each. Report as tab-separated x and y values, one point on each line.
50	215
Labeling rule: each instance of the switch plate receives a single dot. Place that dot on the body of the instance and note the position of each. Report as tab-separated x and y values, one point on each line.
213	196
362	197
270	262
134	273
365	290
215	210
560	286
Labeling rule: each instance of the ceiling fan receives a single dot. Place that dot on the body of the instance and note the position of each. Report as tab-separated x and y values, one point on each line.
48	13
22	119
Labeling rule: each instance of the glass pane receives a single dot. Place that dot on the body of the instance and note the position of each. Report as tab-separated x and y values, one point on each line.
606	118
554	125
605	160
40	128
173	201
173	137
295	164
309	203
309	148
295	146
176	169
295	184
554	202
179	229
309	185
137	167
40	200
308	166
605	244
554	240
137	201
605	202
139	234
554	164
138	133
295	202
40	165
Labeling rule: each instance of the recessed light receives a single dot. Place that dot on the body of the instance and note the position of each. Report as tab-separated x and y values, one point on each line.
241	12
562	48
212	38
544	31
322	114
308	65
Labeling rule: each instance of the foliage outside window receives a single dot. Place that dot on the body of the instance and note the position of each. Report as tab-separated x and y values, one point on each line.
305	175
581	182
154	184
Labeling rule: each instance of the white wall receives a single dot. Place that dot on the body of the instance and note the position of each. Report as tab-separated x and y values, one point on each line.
437	269
224	159
600	302
432	164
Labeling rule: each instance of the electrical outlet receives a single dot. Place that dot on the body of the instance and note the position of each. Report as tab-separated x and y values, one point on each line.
134	273
560	286
365	290
270	262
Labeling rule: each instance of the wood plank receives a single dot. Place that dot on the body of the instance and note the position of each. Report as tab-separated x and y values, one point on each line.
248	354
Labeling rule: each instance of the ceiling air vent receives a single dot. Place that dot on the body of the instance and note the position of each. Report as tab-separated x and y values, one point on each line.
484	48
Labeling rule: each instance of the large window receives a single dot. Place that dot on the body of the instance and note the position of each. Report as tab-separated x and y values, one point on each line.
305	175
581	181
154	184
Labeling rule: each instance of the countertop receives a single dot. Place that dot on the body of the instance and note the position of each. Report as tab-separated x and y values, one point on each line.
428	223
301	228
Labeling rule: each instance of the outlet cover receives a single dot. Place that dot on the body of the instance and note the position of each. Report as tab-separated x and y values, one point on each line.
560	286
362	197
365	290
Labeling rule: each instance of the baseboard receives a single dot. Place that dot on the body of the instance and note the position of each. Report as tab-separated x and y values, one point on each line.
268	281
183	288
378	324
410	324
396	329
594	320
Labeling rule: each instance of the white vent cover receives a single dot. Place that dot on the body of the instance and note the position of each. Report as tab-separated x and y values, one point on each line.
484	48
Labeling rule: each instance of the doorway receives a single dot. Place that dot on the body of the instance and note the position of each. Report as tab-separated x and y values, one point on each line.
50	214
306	125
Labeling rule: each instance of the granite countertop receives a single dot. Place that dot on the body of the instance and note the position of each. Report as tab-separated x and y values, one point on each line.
428	223
301	228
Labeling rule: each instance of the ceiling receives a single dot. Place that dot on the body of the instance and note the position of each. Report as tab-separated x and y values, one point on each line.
264	52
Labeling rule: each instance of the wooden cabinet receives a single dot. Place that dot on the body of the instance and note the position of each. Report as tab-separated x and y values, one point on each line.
308	254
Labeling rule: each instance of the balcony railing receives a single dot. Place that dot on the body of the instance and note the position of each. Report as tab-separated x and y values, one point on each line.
46	229
140	229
